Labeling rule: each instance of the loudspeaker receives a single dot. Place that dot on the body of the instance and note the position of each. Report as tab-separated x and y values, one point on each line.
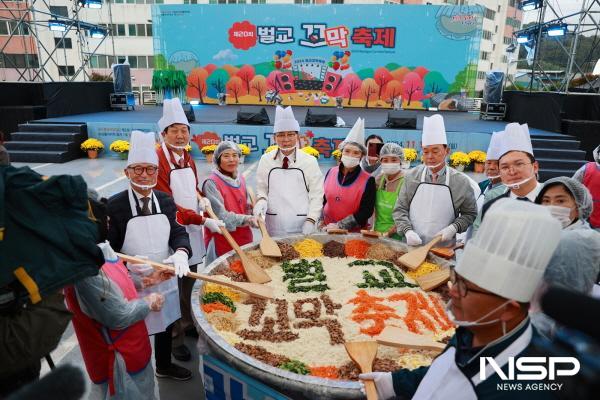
315	117
253	116
286	82
189	112
401	120
331	84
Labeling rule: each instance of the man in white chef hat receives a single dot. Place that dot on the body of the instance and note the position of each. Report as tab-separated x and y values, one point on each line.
143	223
491	288
517	165
435	199
289	183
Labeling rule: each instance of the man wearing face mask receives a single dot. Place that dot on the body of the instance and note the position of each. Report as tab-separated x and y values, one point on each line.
576	262
518	167
589	175
142	222
289	183
349	191
388	187
435	199
490	293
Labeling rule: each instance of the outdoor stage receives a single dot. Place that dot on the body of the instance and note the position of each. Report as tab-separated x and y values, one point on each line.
466	131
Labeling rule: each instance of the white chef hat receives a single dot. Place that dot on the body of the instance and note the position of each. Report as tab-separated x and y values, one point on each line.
511	250
356	136
285	120
493	152
172	114
142	148
434	131
516	138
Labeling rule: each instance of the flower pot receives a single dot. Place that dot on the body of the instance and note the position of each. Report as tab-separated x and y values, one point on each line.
124	155
460	167
242	159
478	167
405	164
92	153
209	157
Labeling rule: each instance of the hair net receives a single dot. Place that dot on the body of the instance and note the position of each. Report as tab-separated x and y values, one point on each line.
359	145
225	145
391	149
580	193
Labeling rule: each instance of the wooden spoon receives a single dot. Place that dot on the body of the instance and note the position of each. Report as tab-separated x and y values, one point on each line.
447	252
415	257
434	279
254	272
363	354
337	231
398	337
373	234
253	289
268	247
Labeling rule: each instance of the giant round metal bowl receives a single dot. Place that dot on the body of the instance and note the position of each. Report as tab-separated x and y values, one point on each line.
291	384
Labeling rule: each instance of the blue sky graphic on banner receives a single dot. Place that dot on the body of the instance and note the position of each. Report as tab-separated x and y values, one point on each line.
363	55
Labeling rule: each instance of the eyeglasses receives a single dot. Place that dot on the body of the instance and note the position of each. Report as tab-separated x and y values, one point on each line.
461	285
516	167
150	170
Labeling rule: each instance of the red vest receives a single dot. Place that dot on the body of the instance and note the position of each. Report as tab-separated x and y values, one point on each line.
234	199
98	343
591	179
343	200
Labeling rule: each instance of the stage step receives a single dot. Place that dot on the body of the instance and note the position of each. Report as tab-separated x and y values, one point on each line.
557	136
563	154
47	143
553	163
546	174
554	143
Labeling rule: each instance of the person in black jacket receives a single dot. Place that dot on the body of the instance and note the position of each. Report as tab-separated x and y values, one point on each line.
142	222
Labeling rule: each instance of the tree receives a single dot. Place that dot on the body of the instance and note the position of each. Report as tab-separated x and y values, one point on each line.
422	71
258	84
382	77
368	88
231	70
246	73
216	82
412	87
393	90
234	87
210	68
435	83
350	86
465	79
400	73
196	84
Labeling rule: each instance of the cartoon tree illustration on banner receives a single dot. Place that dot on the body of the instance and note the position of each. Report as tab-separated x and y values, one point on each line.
210	68
196	82
382	76
400	73
234	87
412	87
393	90
216	82
258	86
465	79
231	70
369	89
350	87
246	73
422	71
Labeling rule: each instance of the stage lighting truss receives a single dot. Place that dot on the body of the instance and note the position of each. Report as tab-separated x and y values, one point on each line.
57	25
90	3
556	29
97	33
550	29
530	5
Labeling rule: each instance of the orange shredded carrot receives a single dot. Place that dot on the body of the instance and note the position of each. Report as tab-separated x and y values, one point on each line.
327	372
356	248
210	307
368	309
237	267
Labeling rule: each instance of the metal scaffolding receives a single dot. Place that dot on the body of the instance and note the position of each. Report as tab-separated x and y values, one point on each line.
29	19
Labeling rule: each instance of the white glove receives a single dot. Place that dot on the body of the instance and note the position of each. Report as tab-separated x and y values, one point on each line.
308	228
203	204
260	208
383	383
155	301
447	233
413	239
213	225
251	221
331	225
108	252
180	260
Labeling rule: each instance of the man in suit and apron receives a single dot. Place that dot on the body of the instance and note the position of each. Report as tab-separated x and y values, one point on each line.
489	302
289	183
177	177
142	222
435	199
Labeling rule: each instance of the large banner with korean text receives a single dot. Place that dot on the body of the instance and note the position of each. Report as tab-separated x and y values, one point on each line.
376	56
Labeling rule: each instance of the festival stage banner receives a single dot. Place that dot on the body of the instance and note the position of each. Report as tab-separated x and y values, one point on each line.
375	56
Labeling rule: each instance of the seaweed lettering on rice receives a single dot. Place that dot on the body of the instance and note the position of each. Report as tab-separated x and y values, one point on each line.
304	276
385	280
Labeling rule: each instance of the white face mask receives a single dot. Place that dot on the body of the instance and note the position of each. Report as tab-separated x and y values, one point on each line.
562	214
177	147
143	187
516	186
390	168
458	322
349	161
494	177
431	167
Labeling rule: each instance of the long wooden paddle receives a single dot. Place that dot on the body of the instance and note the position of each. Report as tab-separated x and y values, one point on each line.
373	234
268	247
363	354
415	257
253	289
434	279
447	252
398	337
253	271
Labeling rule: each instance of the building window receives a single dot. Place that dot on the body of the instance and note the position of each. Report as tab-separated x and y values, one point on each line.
132	30
61	11
515	23
487	35
18	61
490	14
66	70
302	1
63	43
151	62
504	58
480	75
3	28
190	1
337	1
117	29
259	1
148	29
508	40
485	55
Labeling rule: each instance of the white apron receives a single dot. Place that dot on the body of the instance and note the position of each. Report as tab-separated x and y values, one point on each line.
444	380
183	186
148	235
431	208
287	201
